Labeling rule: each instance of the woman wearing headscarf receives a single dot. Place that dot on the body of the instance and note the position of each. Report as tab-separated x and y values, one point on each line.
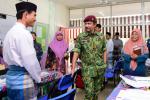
57	53
135	54
54	62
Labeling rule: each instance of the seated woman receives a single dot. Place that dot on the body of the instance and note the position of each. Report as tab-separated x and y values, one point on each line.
135	54
53	61
56	54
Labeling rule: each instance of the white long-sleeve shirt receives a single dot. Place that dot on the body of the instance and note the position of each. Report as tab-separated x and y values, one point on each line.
19	50
109	46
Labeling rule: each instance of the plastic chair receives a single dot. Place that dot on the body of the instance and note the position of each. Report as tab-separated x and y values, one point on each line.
115	71
66	96
43	98
65	82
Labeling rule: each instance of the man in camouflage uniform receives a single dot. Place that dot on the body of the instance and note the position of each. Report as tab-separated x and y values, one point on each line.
91	47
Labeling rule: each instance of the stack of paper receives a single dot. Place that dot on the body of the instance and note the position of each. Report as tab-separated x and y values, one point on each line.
133	94
137	82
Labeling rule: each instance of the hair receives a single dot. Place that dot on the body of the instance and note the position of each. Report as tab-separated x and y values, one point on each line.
19	15
98	25
117	33
108	33
75	39
33	33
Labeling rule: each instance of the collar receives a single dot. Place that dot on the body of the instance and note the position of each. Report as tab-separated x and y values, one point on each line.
21	25
92	34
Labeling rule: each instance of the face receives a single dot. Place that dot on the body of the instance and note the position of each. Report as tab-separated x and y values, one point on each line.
134	36
89	26
107	37
97	29
59	37
116	36
30	18
34	37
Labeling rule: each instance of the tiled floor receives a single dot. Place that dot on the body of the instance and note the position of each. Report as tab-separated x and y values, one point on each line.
102	95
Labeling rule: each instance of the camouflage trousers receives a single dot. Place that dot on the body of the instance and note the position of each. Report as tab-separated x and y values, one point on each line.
92	85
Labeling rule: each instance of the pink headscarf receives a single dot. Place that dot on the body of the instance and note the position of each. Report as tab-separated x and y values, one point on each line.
58	47
128	48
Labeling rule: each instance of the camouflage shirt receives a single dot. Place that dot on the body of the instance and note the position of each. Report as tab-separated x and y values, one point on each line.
91	48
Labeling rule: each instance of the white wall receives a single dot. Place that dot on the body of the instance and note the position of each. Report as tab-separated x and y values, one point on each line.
43	9
59	16
8	7
62	15
126	9
117	10
48	12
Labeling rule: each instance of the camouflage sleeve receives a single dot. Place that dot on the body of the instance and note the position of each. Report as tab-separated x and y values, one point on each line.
104	44
78	45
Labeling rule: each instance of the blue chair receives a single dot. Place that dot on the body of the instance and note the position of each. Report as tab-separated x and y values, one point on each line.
118	69
115	71
65	82
43	98
66	96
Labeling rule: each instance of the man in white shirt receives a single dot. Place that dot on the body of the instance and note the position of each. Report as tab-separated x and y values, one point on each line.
20	55
109	50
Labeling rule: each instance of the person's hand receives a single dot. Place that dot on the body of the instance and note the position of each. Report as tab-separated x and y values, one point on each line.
66	56
134	56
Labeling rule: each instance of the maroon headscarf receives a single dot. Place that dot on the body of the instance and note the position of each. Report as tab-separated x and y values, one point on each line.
58	47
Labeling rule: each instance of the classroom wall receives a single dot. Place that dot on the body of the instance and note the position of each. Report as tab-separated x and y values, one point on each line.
48	12
59	17
117	10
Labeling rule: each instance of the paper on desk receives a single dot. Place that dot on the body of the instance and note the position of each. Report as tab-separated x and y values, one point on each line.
135	83
138	78
133	94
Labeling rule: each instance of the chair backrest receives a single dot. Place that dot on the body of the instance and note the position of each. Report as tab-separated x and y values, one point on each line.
109	73
66	96
65	82
119	64
43	98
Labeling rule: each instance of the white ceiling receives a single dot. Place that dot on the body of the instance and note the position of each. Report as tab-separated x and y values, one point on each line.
74	4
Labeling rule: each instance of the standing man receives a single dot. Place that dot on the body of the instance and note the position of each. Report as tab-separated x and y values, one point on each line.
98	28
37	47
91	47
109	50
118	45
20	55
